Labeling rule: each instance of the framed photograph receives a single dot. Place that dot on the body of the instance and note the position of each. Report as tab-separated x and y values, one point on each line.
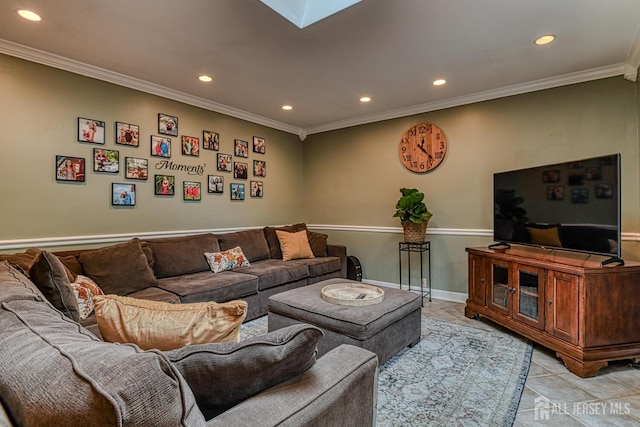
70	168
224	162
576	177
604	191
241	148
259	144
210	140
593	174
160	146
127	134
191	190
240	170
123	194
90	130
555	192
165	185
259	168
190	146
551	176
167	125
256	188
107	161
608	161
136	168
575	165
237	191
216	184
579	195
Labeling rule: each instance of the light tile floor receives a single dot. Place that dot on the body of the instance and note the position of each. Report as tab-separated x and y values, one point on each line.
611	398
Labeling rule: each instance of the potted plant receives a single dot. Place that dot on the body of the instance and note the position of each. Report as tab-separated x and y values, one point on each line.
413	214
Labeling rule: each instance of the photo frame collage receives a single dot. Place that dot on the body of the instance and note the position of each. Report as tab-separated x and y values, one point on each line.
577	177
73	169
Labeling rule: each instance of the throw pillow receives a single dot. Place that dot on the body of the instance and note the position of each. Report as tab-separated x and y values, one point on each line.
226	260
120	269
318	243
545	236
50	276
245	368
294	245
165	326
84	289
272	238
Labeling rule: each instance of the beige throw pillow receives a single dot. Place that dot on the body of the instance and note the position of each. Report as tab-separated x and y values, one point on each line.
294	245
165	326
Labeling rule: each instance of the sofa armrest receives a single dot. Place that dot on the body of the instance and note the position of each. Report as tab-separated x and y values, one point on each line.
341	252
340	389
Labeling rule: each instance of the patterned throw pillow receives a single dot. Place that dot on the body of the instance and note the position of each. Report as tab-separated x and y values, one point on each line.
226	260
84	289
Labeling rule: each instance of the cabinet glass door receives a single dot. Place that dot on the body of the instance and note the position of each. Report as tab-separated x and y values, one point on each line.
529	296
500	285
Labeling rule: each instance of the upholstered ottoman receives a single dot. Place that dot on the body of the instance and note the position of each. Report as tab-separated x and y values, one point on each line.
384	328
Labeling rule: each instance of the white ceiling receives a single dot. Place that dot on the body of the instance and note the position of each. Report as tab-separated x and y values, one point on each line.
390	50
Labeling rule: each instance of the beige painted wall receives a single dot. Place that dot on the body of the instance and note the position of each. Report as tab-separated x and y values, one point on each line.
353	175
39	107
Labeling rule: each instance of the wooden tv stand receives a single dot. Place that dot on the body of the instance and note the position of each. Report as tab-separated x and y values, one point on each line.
587	313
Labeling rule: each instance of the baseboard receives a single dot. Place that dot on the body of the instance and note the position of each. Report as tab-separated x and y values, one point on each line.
435	293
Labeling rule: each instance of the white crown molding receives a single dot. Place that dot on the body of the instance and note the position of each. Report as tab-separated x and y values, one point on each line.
629	71
564	80
66	64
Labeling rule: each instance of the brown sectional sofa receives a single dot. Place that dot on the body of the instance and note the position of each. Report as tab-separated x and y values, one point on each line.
55	372
180	272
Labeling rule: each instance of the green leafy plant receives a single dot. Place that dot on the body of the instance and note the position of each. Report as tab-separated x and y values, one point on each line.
411	207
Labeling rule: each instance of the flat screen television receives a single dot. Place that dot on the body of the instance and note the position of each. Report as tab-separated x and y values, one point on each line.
574	206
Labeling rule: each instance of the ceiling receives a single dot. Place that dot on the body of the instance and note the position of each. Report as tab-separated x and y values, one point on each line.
390	50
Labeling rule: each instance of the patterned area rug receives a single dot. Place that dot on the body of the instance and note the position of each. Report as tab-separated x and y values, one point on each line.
455	376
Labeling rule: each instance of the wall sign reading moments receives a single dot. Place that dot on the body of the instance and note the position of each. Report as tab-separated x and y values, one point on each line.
190	169
422	148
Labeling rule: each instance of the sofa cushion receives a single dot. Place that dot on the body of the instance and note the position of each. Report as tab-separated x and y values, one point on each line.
21	260
119	269
165	326
253	243
318	243
206	286
175	256
226	260
74	268
320	266
55	373
50	276
294	245
16	286
247	367
275	272
272	238
156	294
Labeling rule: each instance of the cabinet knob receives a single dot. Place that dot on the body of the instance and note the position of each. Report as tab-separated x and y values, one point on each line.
481	280
549	302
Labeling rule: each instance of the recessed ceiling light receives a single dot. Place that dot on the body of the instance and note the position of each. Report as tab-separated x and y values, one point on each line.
365	99
439	82
546	39
205	78
29	15
287	107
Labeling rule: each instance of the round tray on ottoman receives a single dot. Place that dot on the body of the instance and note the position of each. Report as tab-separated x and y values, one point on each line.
352	294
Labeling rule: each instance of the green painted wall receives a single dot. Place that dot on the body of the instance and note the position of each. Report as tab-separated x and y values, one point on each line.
39	107
347	177
353	175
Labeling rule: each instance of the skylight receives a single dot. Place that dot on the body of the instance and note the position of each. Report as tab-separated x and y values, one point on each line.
303	13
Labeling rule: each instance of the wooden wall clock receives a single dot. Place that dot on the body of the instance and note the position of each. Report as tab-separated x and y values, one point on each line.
422	148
